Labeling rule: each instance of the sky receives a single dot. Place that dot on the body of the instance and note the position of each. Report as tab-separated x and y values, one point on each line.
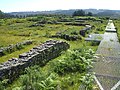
46	5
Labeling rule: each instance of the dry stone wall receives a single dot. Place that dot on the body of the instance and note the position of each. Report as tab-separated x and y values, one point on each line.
73	37
12	48
67	37
37	56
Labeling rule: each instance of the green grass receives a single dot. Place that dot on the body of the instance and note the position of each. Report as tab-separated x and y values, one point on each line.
13	31
15	54
6	40
69	81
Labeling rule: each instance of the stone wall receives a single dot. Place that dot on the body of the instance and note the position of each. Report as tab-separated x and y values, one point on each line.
73	37
12	48
77	24
83	31
37	56
67	37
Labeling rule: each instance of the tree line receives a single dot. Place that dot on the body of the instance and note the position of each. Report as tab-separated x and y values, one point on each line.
76	13
82	13
5	15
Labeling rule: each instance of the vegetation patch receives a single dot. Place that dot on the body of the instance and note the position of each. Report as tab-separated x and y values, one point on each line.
69	72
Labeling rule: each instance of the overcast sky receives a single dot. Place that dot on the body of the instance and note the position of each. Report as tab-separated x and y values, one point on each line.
42	5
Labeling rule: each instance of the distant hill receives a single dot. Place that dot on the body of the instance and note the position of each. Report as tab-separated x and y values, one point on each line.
111	13
99	12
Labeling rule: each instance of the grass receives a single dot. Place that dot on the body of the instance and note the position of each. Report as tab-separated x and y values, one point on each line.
16	30
6	40
69	81
15	54
20	32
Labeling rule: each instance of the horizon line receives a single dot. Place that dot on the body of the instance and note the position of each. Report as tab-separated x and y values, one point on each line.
55	10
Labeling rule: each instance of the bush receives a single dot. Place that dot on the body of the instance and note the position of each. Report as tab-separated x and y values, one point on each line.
74	61
74	33
35	79
87	81
73	66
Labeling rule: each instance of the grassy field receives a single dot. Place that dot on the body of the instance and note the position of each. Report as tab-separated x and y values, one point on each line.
17	30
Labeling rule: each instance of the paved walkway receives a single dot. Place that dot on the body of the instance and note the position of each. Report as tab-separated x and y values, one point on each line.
107	66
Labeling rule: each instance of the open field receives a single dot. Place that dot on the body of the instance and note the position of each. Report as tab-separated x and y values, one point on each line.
17	30
42	28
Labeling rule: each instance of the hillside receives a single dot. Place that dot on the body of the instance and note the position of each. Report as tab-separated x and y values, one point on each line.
99	12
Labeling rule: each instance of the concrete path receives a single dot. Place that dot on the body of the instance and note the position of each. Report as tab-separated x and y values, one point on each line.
107	66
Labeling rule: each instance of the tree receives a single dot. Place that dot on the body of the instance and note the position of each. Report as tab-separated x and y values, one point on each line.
5	15
89	14
1	14
79	13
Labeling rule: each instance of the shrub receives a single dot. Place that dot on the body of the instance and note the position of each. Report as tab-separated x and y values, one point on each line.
74	61
35	79
73	66
87	81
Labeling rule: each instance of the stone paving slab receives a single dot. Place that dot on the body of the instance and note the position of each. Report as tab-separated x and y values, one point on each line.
107	66
107	82
110	27
95	37
110	30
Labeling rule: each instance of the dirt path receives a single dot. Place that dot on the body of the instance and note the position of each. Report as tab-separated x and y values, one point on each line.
107	66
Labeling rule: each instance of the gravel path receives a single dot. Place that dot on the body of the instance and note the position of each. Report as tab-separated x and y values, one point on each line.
107	66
